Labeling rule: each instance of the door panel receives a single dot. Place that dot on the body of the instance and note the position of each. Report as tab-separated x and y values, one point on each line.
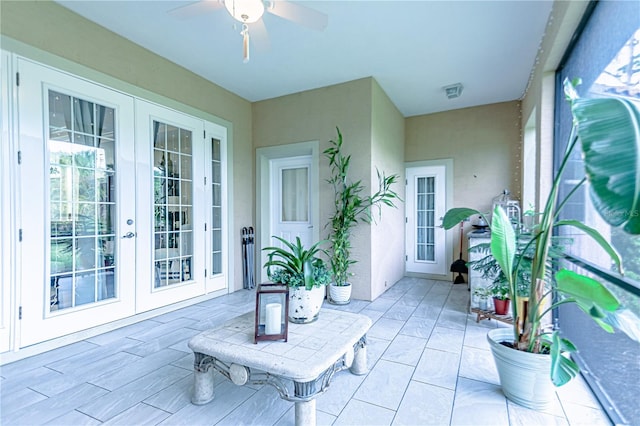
7	261
291	202
170	182
76	165
426	244
217	239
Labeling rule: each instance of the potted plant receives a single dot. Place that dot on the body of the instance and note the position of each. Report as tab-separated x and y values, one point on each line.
482	295
303	272
608	131
499	291
351	206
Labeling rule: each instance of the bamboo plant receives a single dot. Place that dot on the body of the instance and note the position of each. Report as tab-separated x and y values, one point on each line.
351	206
608	131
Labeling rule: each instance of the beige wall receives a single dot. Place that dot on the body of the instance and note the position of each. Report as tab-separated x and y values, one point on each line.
373	133
387	154
110	59
484	143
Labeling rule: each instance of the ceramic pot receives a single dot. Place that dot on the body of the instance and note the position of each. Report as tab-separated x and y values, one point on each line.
340	294
524	376
304	305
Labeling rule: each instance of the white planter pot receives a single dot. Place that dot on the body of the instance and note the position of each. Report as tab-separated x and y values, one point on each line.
340	294
524	376
304	305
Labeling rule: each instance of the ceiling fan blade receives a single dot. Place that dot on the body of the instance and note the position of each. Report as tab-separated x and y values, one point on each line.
195	9
299	14
259	36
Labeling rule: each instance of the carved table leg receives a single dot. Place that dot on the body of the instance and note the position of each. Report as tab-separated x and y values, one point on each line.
306	413
202	379
359	366
305	409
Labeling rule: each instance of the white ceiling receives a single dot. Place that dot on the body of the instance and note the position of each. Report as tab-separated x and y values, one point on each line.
412	48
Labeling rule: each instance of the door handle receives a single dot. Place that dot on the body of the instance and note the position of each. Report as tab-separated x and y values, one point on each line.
129	235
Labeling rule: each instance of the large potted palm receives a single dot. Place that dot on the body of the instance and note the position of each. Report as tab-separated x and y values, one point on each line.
608	131
304	272
351	207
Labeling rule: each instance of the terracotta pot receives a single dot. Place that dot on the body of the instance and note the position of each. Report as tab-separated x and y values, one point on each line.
501	306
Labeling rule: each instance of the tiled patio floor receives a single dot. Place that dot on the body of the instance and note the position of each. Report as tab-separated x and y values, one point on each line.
429	364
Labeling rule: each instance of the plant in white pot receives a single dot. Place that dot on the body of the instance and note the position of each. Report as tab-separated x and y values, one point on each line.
303	272
608	131
351	206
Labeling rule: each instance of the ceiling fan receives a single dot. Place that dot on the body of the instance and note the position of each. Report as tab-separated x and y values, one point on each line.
250	12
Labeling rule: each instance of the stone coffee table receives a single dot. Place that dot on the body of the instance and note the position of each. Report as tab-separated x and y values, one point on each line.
300	369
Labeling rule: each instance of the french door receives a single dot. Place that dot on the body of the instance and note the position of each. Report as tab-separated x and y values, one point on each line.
76	203
170	184
122	205
426	250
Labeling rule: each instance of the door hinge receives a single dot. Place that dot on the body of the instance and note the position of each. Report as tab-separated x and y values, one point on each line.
19	157
406	258
17	79
204	134
205	273
20	313
406	220
205	181
406	182
20	235
205	227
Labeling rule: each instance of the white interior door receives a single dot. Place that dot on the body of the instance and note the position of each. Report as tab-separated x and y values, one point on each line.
426	250
76	200
291	199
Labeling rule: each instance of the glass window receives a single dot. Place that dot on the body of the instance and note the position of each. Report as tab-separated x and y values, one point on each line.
173	205
216	207
605	56
82	201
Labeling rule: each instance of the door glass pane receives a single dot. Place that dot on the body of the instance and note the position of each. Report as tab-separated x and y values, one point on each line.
295	195
81	149
173	204
216	207
425	211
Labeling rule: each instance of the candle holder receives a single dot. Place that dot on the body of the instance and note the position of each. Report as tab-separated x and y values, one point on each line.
272	307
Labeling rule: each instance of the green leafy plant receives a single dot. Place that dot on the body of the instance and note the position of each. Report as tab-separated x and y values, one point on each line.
608	131
351	206
296	266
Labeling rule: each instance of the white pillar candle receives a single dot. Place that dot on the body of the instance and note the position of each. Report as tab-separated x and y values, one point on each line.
272	320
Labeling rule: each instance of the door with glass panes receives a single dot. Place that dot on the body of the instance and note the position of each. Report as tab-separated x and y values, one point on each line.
122	205
174	188
76	204
425	208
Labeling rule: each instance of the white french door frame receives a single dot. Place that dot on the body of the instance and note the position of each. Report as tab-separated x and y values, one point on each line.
8	166
38	323
265	196
19	256
218	281
439	269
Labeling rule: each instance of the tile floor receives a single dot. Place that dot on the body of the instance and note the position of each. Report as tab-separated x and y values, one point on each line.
429	365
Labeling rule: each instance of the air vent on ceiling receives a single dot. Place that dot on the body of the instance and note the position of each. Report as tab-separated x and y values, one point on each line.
453	91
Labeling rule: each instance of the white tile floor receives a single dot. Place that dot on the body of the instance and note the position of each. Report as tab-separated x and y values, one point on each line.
429	365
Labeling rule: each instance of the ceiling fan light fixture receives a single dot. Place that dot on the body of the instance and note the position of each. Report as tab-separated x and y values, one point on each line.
245	11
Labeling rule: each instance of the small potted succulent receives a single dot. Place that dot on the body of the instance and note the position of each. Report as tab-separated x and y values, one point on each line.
303	272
